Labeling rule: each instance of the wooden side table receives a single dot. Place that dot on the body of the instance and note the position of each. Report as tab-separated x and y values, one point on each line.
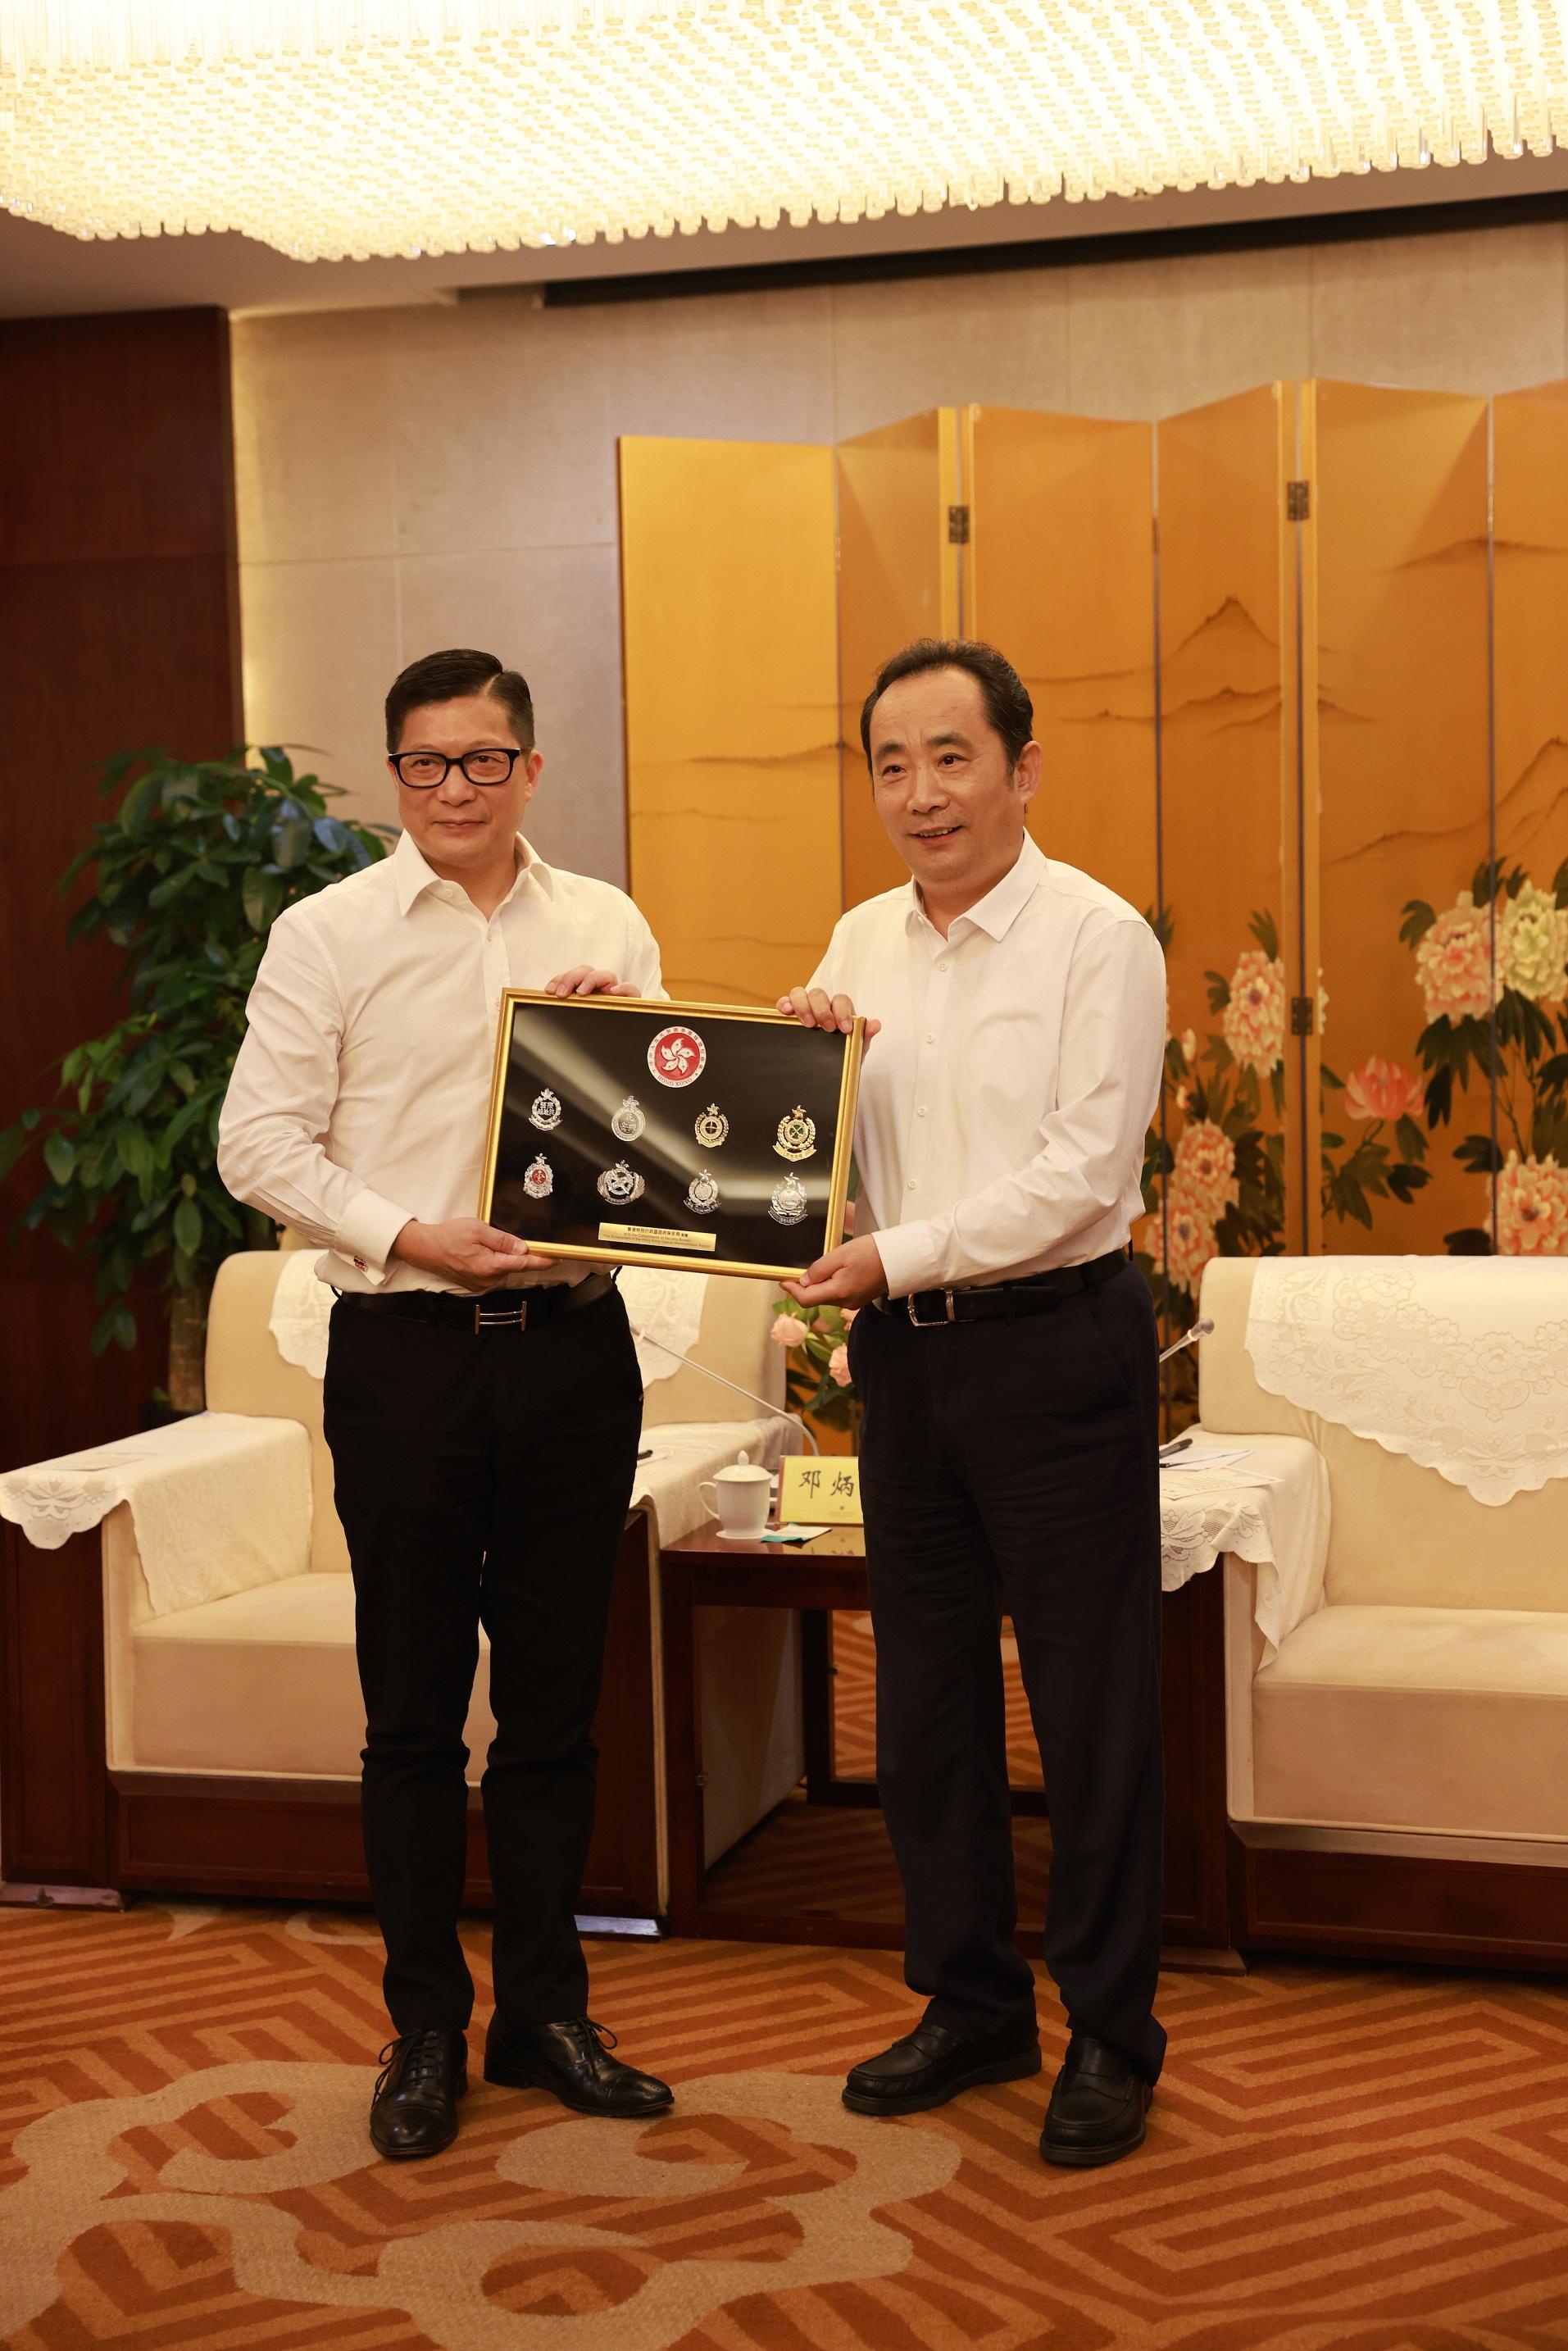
707	1570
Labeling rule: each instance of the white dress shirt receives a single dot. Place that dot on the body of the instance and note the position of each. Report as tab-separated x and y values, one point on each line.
1004	1107
359	1096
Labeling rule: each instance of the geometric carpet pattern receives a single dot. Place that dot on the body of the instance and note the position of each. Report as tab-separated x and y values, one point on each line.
1336	2156
855	1703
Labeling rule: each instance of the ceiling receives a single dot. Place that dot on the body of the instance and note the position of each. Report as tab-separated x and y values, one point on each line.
43	273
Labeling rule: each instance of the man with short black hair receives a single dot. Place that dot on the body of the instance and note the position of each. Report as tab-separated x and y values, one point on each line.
1009	1445
482	1404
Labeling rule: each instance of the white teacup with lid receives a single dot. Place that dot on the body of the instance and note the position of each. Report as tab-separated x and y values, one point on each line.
739	1498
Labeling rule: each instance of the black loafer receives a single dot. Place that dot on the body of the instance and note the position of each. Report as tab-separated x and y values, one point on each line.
1097	2106
572	2062
415	2109
930	2065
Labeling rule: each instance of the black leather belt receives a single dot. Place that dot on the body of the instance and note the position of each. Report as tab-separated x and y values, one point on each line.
1004	1301
492	1309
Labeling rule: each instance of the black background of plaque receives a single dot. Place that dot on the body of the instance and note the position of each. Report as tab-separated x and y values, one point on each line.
757	1072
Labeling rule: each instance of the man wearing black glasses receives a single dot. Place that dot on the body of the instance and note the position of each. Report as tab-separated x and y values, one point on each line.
482	1404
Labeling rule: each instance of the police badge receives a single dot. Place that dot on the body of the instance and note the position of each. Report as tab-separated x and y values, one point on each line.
538	1177
712	1128
546	1111
797	1135
629	1121
619	1184
702	1194
787	1206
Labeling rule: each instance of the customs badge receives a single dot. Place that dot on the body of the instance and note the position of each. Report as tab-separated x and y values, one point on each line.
621	1185
629	1121
797	1135
702	1194
545	1112
787	1206
676	1056
712	1128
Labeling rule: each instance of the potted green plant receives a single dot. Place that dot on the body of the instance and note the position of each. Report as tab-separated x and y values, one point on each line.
189	872
817	1380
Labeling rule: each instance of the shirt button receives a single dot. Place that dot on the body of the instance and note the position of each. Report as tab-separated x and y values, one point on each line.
920	1111
910	1186
931	1036
941	966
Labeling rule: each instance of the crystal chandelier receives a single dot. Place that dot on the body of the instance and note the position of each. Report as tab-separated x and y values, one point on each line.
336	128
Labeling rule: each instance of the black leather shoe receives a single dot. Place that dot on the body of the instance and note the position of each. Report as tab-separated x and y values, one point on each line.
930	2065
572	2062
415	2109
1097	2106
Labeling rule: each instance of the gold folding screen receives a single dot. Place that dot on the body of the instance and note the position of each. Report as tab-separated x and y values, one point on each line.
1297	661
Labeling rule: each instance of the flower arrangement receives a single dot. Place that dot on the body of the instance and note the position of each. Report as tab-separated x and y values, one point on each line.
817	1369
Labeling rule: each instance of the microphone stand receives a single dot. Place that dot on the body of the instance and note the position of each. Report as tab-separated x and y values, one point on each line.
776	1411
1199	1331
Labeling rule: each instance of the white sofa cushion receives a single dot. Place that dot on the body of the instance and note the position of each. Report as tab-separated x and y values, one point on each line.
1449	1719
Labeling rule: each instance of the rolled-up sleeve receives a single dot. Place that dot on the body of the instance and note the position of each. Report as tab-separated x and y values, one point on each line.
1113	1043
272	1133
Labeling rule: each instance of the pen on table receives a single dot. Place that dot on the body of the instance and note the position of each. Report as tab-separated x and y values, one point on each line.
1176	1444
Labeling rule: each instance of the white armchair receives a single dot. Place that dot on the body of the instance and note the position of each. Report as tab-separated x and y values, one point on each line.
256	1685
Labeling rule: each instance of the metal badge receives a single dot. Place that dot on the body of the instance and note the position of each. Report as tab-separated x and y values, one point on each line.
797	1135
629	1121
702	1194
619	1184
787	1206
545	1112
676	1056
712	1128
538	1178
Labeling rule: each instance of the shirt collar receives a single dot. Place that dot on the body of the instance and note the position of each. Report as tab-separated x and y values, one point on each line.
412	876
997	912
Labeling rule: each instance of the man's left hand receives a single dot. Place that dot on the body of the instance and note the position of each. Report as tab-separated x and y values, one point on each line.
582	979
851	1275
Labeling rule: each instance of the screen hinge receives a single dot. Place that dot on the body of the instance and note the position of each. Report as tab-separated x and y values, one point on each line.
1303	1016
957	525
1298	501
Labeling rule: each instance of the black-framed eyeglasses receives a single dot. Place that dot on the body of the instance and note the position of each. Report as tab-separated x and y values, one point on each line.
423	770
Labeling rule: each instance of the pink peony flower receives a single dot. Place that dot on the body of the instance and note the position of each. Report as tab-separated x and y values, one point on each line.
1205	1169
1383	1088
1453	963
839	1367
787	1331
1533	1208
1188	1046
1254	1019
1191	1238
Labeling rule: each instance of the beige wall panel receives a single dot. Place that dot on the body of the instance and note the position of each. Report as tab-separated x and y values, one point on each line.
1401	528
550	612
313	399
731	710
1531	512
503	430
898	580
321	647
917	343
1150	338
1470	310
1062	566
1226	769
732	366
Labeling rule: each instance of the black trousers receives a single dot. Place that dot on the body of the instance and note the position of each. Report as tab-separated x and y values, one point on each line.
481	1479
1013	1466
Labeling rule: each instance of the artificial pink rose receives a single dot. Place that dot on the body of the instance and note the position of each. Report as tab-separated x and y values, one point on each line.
1254	1019
1205	1169
1190	1238
839	1367
1533	1208
1454	964
1383	1088
787	1331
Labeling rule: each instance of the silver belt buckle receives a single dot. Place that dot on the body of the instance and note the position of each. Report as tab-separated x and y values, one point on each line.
939	1321
517	1314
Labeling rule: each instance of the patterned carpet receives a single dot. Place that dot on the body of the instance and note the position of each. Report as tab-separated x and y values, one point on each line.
854	1704
1336	2157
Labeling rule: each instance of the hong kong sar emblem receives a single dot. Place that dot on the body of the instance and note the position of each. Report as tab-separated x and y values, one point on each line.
676	1056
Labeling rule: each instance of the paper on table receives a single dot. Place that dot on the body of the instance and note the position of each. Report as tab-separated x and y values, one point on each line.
791	1534
1201	1456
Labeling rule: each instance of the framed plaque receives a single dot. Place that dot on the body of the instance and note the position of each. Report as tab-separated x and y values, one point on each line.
701	1135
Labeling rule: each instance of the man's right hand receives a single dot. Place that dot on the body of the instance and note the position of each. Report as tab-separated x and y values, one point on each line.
813	1008
465	1249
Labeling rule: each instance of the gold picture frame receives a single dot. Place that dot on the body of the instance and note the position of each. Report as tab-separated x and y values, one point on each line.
780	1091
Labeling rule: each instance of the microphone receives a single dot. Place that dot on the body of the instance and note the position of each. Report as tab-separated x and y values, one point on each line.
1199	1331
750	1394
